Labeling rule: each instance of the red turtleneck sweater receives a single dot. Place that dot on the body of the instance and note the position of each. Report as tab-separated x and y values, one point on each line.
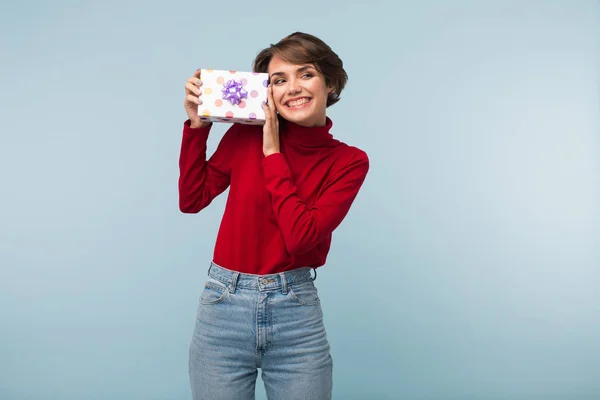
281	209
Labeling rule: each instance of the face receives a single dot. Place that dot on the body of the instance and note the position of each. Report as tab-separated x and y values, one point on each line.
299	92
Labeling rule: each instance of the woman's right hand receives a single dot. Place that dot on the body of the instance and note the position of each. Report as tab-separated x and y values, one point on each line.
192	100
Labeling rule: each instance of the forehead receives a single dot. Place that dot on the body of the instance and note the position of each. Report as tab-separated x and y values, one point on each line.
279	65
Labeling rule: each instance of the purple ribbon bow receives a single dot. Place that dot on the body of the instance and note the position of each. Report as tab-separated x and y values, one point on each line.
234	92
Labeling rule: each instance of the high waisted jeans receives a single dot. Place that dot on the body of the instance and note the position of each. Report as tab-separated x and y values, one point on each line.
272	322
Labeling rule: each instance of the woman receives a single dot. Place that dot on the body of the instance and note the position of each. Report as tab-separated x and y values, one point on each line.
291	184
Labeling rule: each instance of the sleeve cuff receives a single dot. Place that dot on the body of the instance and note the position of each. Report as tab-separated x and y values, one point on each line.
188	130
275	165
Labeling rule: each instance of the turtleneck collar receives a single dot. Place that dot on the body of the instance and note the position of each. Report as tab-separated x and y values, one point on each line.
316	136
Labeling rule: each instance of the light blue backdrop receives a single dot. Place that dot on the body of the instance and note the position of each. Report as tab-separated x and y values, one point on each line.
468	268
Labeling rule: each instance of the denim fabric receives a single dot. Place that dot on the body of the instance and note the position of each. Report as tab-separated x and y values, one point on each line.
248	322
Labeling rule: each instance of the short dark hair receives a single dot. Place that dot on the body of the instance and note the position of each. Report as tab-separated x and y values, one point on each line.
303	48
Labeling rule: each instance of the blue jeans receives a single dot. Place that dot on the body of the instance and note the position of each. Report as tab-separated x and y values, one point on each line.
272	322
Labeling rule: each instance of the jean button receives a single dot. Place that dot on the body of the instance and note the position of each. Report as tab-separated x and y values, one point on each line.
265	281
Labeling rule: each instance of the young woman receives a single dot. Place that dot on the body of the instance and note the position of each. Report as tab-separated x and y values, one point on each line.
291	184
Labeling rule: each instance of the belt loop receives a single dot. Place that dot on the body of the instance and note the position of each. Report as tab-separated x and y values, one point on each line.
234	280
283	283
314	269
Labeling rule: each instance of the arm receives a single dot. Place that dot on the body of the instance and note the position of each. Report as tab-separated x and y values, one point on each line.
304	227
200	181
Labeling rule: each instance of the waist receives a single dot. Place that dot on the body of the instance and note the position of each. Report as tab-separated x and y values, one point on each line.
267	282
262	253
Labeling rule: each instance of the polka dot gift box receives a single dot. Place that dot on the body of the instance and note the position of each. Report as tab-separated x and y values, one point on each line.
233	96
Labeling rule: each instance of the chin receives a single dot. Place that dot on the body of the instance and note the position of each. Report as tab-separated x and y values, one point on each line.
304	117
300	121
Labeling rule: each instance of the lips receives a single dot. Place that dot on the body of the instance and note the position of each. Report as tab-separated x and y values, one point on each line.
298	102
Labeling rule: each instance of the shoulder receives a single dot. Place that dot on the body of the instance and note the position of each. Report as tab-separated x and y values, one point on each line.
351	156
244	131
246	128
239	134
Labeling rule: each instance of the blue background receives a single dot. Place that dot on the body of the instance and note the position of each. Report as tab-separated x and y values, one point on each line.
468	267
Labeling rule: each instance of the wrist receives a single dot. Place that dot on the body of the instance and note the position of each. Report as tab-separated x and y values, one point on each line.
196	124
270	152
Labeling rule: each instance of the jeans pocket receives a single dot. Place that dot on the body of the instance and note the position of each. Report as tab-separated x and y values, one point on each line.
214	292
305	294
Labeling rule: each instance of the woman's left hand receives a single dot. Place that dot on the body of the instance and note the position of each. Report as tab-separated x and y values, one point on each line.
271	126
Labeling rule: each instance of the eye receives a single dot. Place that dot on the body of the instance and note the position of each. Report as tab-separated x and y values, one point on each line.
307	75
278	81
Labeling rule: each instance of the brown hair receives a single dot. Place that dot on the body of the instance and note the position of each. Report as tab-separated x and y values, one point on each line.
303	48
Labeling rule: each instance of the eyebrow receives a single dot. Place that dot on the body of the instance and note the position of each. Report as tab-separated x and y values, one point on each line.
301	69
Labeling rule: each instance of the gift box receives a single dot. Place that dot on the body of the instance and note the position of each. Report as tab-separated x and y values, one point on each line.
233	96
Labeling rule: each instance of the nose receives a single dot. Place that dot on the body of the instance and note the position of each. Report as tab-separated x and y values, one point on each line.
293	87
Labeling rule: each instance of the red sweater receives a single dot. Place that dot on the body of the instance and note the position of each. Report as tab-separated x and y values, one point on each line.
281	209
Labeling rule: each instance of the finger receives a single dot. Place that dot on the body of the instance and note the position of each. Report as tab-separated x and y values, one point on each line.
265	108
190	88
193	99
272	107
194	81
197	74
270	94
193	89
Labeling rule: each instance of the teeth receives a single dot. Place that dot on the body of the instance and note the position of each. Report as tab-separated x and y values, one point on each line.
297	102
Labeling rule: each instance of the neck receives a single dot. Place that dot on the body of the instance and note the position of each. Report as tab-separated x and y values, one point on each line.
319	123
307	136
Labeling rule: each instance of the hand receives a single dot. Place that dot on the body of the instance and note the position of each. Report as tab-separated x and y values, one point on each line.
271	126
192	100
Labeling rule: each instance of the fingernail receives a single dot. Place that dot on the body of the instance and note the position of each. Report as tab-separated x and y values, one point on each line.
199	82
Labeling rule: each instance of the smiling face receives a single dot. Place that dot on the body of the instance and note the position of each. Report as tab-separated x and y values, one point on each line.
299	92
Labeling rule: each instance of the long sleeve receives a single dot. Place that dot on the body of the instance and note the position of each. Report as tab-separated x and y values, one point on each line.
303	227
200	181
